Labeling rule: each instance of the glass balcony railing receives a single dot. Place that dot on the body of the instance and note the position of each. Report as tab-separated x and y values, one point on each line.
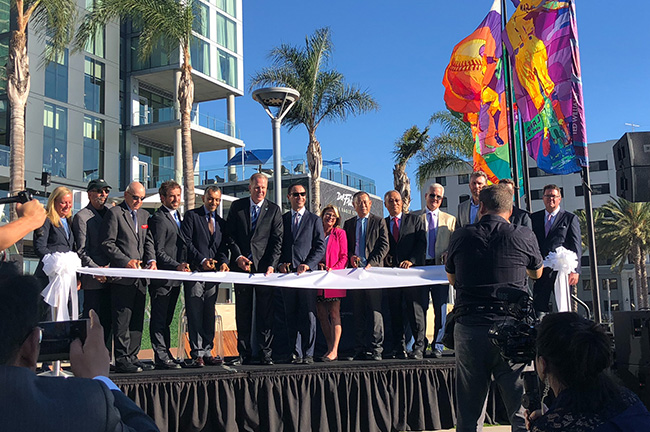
156	115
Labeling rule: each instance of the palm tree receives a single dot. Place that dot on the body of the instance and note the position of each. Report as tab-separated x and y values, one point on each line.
53	20
166	22
452	149
324	95
624	232
410	143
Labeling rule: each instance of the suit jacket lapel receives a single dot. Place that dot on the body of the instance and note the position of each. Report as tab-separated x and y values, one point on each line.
263	210
126	212
556	222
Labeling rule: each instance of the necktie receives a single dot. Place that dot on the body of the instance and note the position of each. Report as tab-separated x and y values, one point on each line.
361	241
177	219
210	223
547	225
254	215
296	223
396	228
433	225
134	215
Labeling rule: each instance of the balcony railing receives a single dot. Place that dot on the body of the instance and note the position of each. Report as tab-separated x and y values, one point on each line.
157	115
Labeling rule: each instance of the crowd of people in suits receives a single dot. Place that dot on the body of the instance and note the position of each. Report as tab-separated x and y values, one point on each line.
257	237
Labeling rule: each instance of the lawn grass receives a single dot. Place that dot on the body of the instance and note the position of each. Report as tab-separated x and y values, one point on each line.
173	328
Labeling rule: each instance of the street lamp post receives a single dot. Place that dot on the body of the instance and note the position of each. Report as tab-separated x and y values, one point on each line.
281	100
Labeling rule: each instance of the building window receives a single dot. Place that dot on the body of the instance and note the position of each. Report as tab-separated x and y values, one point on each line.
93	148
201	23
4	127
615	307
5	16
55	139
228	6
95	45
443	204
596	189
4	57
159	56
159	165
586	284
200	55
598	166
463	178
463	198
56	78
613	284
441	180
227	68
94	85
536	194
226	33
536	172
155	108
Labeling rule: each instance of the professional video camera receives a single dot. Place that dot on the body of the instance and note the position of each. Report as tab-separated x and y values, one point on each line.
515	336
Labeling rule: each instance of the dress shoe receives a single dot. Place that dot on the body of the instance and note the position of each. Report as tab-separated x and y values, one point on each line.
212	361
416	355
436	353
167	364
192	364
308	360
296	360
127	368
144	366
267	361
376	357
328	360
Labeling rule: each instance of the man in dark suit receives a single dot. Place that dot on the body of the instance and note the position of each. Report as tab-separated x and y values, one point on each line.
303	246
207	246
519	216
127	245
468	210
255	225
407	240
86	227
82	403
171	254
367	247
554	227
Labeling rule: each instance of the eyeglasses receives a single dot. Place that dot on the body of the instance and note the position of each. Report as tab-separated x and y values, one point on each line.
299	194
137	198
435	197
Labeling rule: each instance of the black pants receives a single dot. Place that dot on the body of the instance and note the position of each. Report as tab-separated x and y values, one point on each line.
200	298
405	306
368	320
163	306
128	317
264	309
300	314
99	300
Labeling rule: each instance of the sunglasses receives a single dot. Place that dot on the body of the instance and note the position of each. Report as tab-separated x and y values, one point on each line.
435	197
299	194
137	198
105	190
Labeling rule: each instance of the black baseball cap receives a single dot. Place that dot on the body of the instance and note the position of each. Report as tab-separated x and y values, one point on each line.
97	184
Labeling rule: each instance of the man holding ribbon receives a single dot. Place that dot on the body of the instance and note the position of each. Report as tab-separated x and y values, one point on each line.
553	228
367	247
127	245
255	225
207	248
303	246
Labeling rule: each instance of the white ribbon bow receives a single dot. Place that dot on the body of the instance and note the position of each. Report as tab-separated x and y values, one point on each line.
565	262
61	268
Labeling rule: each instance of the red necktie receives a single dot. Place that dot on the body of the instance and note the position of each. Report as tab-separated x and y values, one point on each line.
395	228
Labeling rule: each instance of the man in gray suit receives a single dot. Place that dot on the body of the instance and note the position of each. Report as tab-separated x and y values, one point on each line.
86	227
468	210
127	245
88	402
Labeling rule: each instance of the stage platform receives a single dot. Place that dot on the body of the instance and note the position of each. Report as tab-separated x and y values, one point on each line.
387	395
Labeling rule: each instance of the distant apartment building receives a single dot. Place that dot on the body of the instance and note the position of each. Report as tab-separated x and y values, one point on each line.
622	291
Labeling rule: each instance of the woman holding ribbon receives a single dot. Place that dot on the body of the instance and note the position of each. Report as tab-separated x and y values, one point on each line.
55	236
329	300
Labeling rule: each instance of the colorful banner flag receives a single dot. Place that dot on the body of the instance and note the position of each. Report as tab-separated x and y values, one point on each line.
474	86
542	42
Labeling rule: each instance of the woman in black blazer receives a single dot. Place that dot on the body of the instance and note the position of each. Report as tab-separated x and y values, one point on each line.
56	233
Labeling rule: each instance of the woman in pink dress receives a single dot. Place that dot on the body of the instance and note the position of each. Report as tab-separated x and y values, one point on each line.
329	300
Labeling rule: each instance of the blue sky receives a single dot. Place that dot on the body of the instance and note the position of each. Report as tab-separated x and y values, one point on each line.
398	51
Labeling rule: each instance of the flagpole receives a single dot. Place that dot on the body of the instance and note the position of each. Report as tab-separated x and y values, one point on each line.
591	234
514	168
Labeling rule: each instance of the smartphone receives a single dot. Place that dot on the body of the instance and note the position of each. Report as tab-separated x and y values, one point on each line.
57	337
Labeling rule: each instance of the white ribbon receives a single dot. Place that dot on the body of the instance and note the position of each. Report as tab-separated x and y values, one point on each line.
61	268
375	277
565	262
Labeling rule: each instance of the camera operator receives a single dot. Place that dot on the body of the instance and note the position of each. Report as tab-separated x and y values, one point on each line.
573	359
32	403
31	216
482	259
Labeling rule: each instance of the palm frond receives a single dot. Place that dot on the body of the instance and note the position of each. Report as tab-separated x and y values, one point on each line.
53	22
